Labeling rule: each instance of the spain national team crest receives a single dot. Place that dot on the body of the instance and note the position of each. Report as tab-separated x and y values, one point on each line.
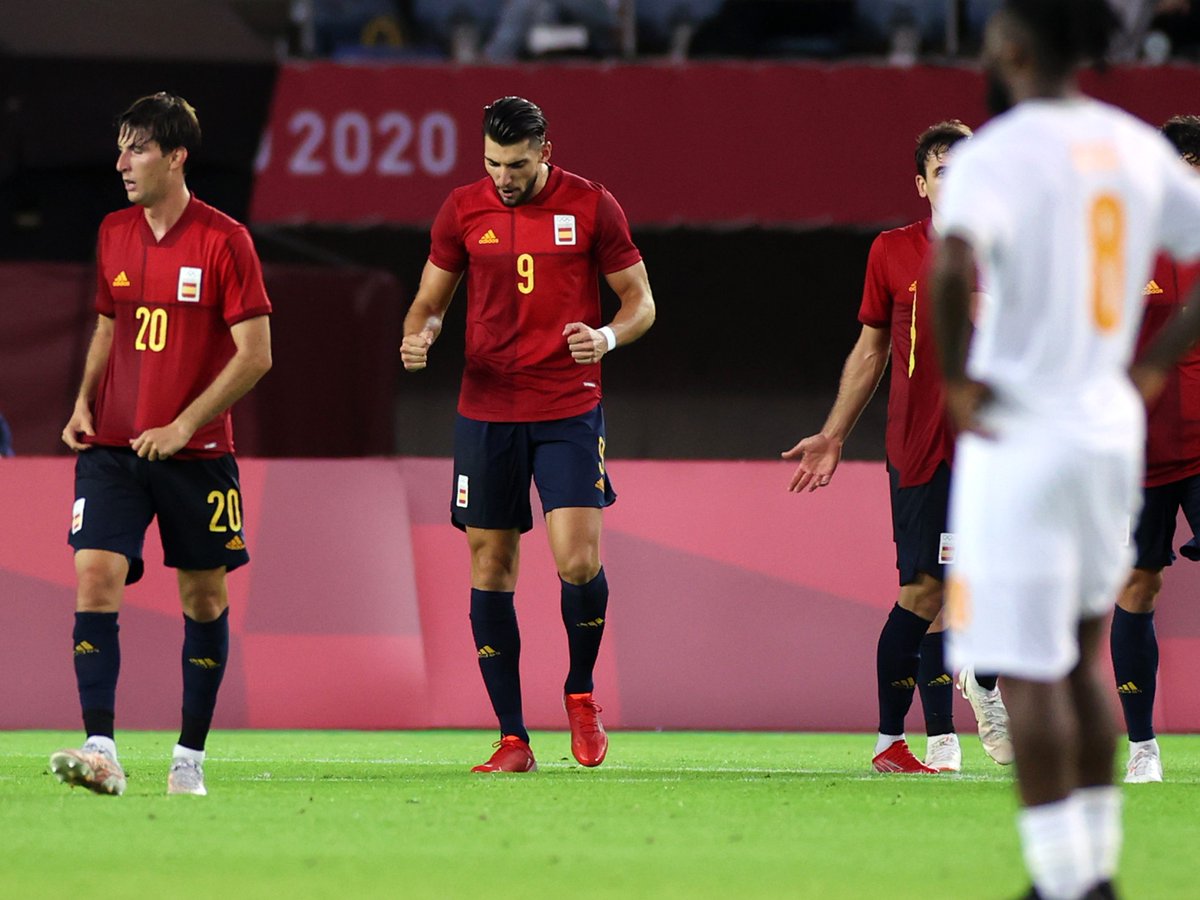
564	231
189	285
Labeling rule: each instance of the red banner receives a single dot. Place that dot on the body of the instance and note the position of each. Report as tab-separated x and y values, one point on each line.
721	144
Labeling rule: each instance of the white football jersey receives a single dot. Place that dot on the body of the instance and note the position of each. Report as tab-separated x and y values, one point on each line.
1066	203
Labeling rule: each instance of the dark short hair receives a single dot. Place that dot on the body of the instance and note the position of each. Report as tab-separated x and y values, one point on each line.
1184	133
510	120
937	139
165	118
1066	32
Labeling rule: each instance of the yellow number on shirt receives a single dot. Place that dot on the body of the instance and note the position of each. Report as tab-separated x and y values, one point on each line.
600	447
525	270
228	504
1108	260
152	332
912	336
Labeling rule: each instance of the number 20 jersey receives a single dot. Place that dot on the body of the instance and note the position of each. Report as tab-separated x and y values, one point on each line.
172	303
531	270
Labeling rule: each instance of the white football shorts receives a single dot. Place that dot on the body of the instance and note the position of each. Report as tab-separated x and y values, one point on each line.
1042	531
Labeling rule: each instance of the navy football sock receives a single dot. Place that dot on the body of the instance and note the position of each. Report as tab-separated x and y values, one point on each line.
896	662
583	610
498	645
1135	665
987	682
936	685
205	652
97	666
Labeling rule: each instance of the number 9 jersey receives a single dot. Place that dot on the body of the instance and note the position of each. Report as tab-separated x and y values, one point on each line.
172	302
531	270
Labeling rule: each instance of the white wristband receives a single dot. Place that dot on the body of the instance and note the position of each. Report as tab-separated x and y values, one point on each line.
609	337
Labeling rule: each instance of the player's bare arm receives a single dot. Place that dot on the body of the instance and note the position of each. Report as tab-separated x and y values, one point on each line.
633	319
820	453
952	282
250	362
80	422
423	323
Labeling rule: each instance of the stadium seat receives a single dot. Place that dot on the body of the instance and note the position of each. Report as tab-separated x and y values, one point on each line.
458	26
672	24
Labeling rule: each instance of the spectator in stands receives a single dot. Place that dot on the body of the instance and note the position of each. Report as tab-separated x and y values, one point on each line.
520	20
673	23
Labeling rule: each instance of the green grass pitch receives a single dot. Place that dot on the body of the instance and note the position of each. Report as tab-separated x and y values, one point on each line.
336	814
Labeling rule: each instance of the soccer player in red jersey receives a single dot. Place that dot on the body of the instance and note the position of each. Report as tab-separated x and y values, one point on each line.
919	451
1172	483
533	240
182	333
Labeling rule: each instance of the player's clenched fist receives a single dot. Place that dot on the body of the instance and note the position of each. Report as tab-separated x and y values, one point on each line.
586	344
414	350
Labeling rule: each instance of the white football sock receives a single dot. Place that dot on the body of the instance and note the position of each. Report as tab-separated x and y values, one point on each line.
182	752
1057	852
886	740
1101	808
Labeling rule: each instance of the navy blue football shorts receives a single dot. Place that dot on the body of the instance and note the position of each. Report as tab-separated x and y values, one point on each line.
198	503
919	515
1155	530
495	462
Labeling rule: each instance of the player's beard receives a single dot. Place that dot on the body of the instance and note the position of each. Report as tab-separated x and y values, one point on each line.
998	96
525	196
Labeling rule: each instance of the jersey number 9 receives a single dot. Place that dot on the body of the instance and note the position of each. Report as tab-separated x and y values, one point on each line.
525	270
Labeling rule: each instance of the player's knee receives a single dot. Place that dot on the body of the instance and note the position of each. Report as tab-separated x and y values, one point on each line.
492	571
579	568
203	599
1141	591
922	597
206	607
100	587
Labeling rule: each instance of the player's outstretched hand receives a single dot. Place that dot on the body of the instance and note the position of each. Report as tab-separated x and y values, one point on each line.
965	400
586	344
161	443
819	456
79	425
414	350
1149	382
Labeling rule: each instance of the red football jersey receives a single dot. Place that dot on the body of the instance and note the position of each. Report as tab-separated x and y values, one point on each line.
531	269
918	432
172	303
1173	425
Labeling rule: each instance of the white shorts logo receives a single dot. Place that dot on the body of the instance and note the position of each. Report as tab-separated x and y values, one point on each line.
464	486
946	548
189	285
564	230
77	516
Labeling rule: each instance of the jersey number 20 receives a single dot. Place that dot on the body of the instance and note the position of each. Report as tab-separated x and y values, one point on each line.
152	329
229	506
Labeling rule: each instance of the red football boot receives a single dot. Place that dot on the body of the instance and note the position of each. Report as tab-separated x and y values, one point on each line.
512	755
589	743
898	758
